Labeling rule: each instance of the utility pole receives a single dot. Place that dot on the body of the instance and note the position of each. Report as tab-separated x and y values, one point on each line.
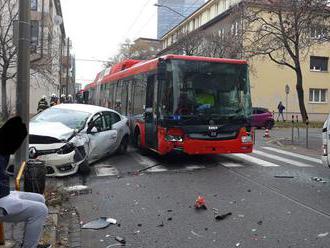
23	74
67	68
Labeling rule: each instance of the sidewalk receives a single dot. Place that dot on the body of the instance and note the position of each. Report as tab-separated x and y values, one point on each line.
57	228
282	138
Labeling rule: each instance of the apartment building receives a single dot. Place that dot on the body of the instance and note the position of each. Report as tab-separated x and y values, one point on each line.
268	80
48	54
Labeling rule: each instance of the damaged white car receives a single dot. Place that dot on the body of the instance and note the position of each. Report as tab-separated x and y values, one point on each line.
68	137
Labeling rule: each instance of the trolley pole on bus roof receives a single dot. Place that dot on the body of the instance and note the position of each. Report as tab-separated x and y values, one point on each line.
23	75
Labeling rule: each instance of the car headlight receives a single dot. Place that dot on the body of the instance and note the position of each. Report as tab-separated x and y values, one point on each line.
67	148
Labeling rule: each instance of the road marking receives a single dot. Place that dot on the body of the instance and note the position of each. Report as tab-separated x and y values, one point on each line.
144	161
255	160
285	160
102	171
315	160
194	167
231	165
158	168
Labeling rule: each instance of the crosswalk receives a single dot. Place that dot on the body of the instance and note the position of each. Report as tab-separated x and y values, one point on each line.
264	156
270	157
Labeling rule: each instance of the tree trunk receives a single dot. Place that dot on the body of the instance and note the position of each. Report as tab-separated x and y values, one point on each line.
300	93
4	109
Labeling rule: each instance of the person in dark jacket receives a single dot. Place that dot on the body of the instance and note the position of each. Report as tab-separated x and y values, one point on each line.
18	206
42	104
280	108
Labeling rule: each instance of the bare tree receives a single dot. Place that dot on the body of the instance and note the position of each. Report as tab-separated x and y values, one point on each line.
282	30
189	43
133	50
8	14
220	45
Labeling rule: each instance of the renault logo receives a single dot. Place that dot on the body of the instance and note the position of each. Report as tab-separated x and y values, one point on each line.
32	152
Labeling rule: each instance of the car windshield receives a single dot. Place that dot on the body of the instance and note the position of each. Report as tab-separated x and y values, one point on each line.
71	118
205	89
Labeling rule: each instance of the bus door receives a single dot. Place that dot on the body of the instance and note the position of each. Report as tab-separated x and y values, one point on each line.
151	113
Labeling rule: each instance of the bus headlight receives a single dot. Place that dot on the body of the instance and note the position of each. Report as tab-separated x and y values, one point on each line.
172	138
246	139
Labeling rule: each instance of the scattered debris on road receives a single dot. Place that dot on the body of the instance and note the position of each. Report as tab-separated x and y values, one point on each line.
99	223
322	235
318	179
200	203
78	189
222	216
280	176
120	240
196	234
161	224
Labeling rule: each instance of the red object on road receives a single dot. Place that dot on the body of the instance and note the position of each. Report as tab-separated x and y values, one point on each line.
200	203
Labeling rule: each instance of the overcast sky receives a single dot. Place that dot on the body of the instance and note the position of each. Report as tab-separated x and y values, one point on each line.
97	27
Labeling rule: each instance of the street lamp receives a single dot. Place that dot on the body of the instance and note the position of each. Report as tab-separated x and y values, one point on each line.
169	8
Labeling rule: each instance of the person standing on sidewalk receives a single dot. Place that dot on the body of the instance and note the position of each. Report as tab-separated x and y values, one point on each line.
18	206
280	108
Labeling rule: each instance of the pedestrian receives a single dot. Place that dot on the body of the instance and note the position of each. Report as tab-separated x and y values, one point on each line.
70	99
280	108
63	99
53	100
42	104
18	206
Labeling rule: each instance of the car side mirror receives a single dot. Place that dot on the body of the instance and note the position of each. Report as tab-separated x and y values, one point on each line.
93	130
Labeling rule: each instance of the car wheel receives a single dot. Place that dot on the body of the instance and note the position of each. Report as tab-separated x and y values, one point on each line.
123	145
84	168
269	125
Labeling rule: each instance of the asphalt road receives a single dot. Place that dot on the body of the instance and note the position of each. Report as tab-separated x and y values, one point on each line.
271	194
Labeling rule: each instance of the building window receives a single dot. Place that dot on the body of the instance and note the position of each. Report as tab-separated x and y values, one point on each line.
34	4
34	34
318	32
319	63
318	95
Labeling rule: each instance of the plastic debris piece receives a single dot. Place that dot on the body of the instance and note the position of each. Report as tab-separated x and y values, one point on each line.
254	230
241	215
139	225
99	223
200	203
259	222
280	176
223	216
169	219
107	236
238	244
112	221
120	240
215	210
169	210
248	190
161	224
322	235
196	234
101	240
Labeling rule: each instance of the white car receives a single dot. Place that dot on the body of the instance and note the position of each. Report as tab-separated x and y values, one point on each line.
326	143
68	137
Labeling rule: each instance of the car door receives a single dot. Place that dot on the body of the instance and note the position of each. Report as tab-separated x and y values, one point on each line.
112	132
119	125
101	137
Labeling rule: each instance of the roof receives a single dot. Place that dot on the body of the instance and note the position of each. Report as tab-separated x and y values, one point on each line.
92	109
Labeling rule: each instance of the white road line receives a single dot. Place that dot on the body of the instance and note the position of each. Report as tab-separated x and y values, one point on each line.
255	160
285	160
315	160
194	167
231	165
144	161
158	168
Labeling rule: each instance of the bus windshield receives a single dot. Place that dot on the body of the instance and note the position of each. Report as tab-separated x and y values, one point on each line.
206	90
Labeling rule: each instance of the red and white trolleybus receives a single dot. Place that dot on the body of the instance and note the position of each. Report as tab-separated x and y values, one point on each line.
196	105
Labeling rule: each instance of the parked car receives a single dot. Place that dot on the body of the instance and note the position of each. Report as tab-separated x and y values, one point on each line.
326	143
68	137
262	117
